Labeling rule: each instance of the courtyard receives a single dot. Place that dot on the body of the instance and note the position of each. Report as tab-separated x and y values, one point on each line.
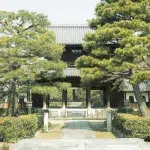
75	75
77	129
77	135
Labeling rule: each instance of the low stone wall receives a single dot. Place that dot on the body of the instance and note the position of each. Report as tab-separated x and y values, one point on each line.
85	113
57	113
98	113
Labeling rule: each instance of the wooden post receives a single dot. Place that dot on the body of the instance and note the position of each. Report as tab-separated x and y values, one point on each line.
64	102
44	101
49	100
64	98
88	97
74	96
108	97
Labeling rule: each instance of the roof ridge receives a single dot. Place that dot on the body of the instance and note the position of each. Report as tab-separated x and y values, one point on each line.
69	25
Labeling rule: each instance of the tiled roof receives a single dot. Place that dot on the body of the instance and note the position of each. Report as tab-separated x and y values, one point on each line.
126	86
72	72
70	34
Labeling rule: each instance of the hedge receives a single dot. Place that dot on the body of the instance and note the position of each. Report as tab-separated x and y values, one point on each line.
15	128
3	111
133	125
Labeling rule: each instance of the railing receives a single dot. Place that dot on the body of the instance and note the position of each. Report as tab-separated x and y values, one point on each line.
76	113
76	104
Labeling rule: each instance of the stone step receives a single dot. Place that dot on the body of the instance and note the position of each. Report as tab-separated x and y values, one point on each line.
81	144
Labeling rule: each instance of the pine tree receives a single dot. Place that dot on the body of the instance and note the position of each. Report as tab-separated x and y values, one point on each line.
27	50
119	46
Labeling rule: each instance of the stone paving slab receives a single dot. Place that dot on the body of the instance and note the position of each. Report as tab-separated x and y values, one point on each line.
77	125
78	134
31	144
116	144
77	130
63	144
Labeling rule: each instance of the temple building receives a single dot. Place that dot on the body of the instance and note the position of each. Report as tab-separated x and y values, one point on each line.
78	101
90	101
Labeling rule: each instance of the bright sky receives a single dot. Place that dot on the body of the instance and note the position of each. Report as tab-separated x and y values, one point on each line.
58	11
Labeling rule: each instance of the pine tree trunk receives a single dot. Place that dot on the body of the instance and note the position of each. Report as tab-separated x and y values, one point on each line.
141	102
9	110
14	99
49	100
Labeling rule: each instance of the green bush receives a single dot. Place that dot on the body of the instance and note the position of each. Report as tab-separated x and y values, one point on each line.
40	121
3	111
133	125
37	111
14	128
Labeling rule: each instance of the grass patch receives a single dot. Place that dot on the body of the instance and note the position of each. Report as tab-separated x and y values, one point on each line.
4	146
49	135
104	135
55	127
54	132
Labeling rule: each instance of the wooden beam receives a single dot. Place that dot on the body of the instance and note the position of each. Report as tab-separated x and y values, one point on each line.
44	101
64	98
88	97
108	97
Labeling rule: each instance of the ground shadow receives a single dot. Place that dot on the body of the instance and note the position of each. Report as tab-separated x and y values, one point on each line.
86	125
97	126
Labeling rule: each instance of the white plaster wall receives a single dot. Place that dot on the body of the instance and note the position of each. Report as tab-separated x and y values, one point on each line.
132	94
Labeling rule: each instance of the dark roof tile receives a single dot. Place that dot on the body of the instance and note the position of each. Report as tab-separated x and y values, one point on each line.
70	34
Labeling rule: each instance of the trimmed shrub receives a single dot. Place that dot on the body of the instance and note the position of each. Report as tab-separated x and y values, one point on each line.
3	111
133	125
14	128
40	121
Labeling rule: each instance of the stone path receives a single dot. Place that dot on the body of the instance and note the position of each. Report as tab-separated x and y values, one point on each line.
79	135
78	129
80	144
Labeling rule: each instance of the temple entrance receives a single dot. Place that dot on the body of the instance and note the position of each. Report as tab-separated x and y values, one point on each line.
55	99
76	98
97	100
37	100
72	102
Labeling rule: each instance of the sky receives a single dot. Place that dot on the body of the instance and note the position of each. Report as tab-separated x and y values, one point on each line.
58	11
